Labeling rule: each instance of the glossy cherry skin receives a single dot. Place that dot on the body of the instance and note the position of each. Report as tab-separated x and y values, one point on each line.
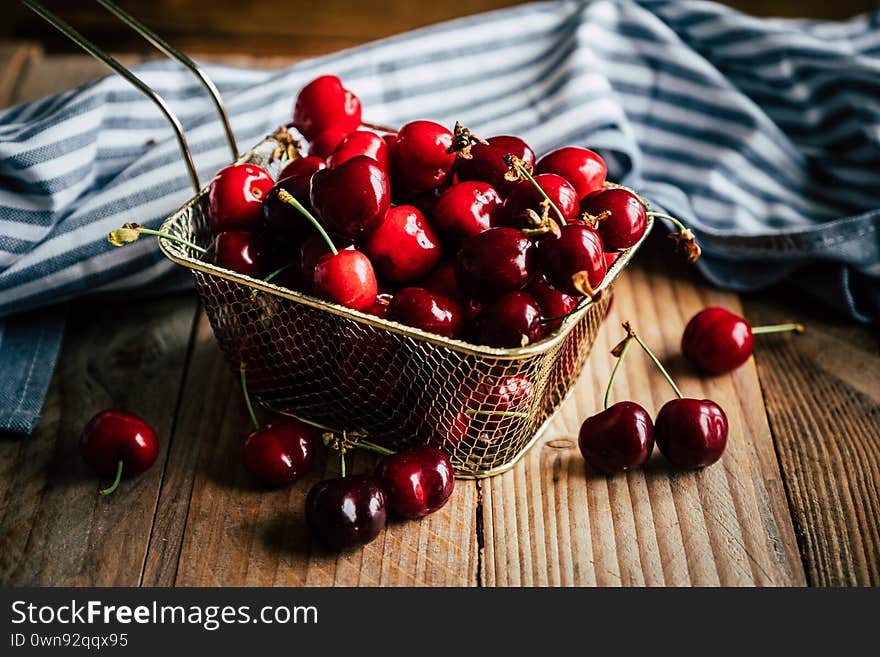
628	219
379	307
467	209
112	436
426	310
496	261
326	142
346	278
583	168
403	247
524	197
419	155
280	452
487	162
553	303
360	142
417	481
303	166
312	249
347	511
235	197
717	341
691	433
282	219
618	439
351	199
442	281
578	248
241	251
323	104
512	320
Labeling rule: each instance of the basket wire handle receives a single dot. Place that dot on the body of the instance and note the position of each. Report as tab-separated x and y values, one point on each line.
97	53
181	57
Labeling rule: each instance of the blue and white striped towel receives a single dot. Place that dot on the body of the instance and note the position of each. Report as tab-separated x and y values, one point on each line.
763	135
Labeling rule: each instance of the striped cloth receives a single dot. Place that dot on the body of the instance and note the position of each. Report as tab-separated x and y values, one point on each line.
763	135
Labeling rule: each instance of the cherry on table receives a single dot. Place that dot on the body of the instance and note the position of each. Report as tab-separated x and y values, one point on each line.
487	162
617	439
351	199
626	218
577	249
403	247
420	158
417	481
235	197
116	444
280	452
360	142
496	261
691	433
583	168
512	320
346	511
240	251
323	104
466	209
525	197
426	310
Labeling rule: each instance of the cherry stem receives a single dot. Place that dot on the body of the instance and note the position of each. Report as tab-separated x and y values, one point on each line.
342	461
372	447
131	232
247	398
668	217
473	412
516	162
379	127
778	328
624	347
112	487
269	278
629	329
286	197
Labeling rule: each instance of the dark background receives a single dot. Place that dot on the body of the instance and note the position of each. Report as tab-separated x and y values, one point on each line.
301	27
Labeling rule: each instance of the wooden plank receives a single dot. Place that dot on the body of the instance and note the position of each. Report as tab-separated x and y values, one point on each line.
551	521
822	391
14	60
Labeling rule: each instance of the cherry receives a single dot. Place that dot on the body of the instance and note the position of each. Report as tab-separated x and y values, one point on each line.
417	481
284	220
467	209
487	162
279	453
496	261
353	198
235	197
626	221
426	310
442	281
503	394
525	197
450	429
303	166
346	278
241	251
379	307
311	250
360	142
572	259
421	157
583	168
718	341
691	433
346	511
617	439
324	103
512	320
323	145
552	302
114	443
403	247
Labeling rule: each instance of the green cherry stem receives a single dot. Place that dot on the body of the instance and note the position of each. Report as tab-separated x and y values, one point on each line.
629	329
619	351
513	161
269	278
112	487
247	398
342	460
131	232
286	197
372	447
778	328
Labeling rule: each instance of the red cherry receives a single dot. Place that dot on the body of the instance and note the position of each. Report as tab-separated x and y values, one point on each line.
487	162
450	430
403	247
618	439
525	196
467	209
116	443
360	142
609	259
553	303
303	166
428	311
627	221
346	511
379	307
493	401
323	145
717	341
235	197
420	158
691	433
279	453
346	278
512	320
577	249
583	168
311	251
442	281
324	103
351	199
240	251
496	261
417	481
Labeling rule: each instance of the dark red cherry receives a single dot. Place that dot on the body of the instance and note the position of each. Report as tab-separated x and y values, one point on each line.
717	341
280	452
583	168
283	219
241	251
424	201
426	310
112	437
487	162
360	142
553	303
512	320
496	398
442	281
691	433
235	197
351	199
577	249
323	145
467	209
496	261
347	511
324	103
346	278
311	251
417	481
379	307
450	430
403	247
618	439
303	166
627	221
419	155
525	196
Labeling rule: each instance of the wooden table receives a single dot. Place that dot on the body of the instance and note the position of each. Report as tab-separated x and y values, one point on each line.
794	500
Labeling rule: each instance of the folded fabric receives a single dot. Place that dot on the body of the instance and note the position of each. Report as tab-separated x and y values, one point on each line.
763	135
